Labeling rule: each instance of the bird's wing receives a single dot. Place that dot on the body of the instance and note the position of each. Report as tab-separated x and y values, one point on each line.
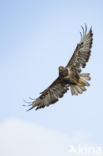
82	52
51	95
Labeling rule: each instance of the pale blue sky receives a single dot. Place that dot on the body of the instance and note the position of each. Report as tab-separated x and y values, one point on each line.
38	36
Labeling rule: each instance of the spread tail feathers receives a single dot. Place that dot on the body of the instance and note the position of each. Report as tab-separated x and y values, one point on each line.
80	86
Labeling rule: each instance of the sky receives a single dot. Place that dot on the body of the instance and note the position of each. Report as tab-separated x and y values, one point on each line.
36	38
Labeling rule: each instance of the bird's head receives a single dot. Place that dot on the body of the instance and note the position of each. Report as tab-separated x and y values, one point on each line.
62	71
61	68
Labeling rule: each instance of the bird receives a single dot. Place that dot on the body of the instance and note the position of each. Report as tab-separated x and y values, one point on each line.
70	76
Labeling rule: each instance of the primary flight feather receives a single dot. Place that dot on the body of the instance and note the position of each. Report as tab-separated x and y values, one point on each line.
69	76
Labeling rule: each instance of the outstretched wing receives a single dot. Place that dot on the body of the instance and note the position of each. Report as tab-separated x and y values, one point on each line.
51	95
82	52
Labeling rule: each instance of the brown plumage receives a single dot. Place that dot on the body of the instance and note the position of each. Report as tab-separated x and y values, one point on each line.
69	76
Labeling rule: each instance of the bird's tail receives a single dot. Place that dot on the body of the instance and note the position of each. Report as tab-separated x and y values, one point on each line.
80	86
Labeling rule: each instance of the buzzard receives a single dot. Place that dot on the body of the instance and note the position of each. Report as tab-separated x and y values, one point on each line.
69	76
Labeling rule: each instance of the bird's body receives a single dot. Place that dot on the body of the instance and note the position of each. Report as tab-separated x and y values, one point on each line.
69	76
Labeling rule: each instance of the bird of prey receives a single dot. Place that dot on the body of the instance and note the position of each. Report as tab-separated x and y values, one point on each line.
69	76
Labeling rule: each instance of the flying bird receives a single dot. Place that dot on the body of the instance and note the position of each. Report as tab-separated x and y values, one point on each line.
70	76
